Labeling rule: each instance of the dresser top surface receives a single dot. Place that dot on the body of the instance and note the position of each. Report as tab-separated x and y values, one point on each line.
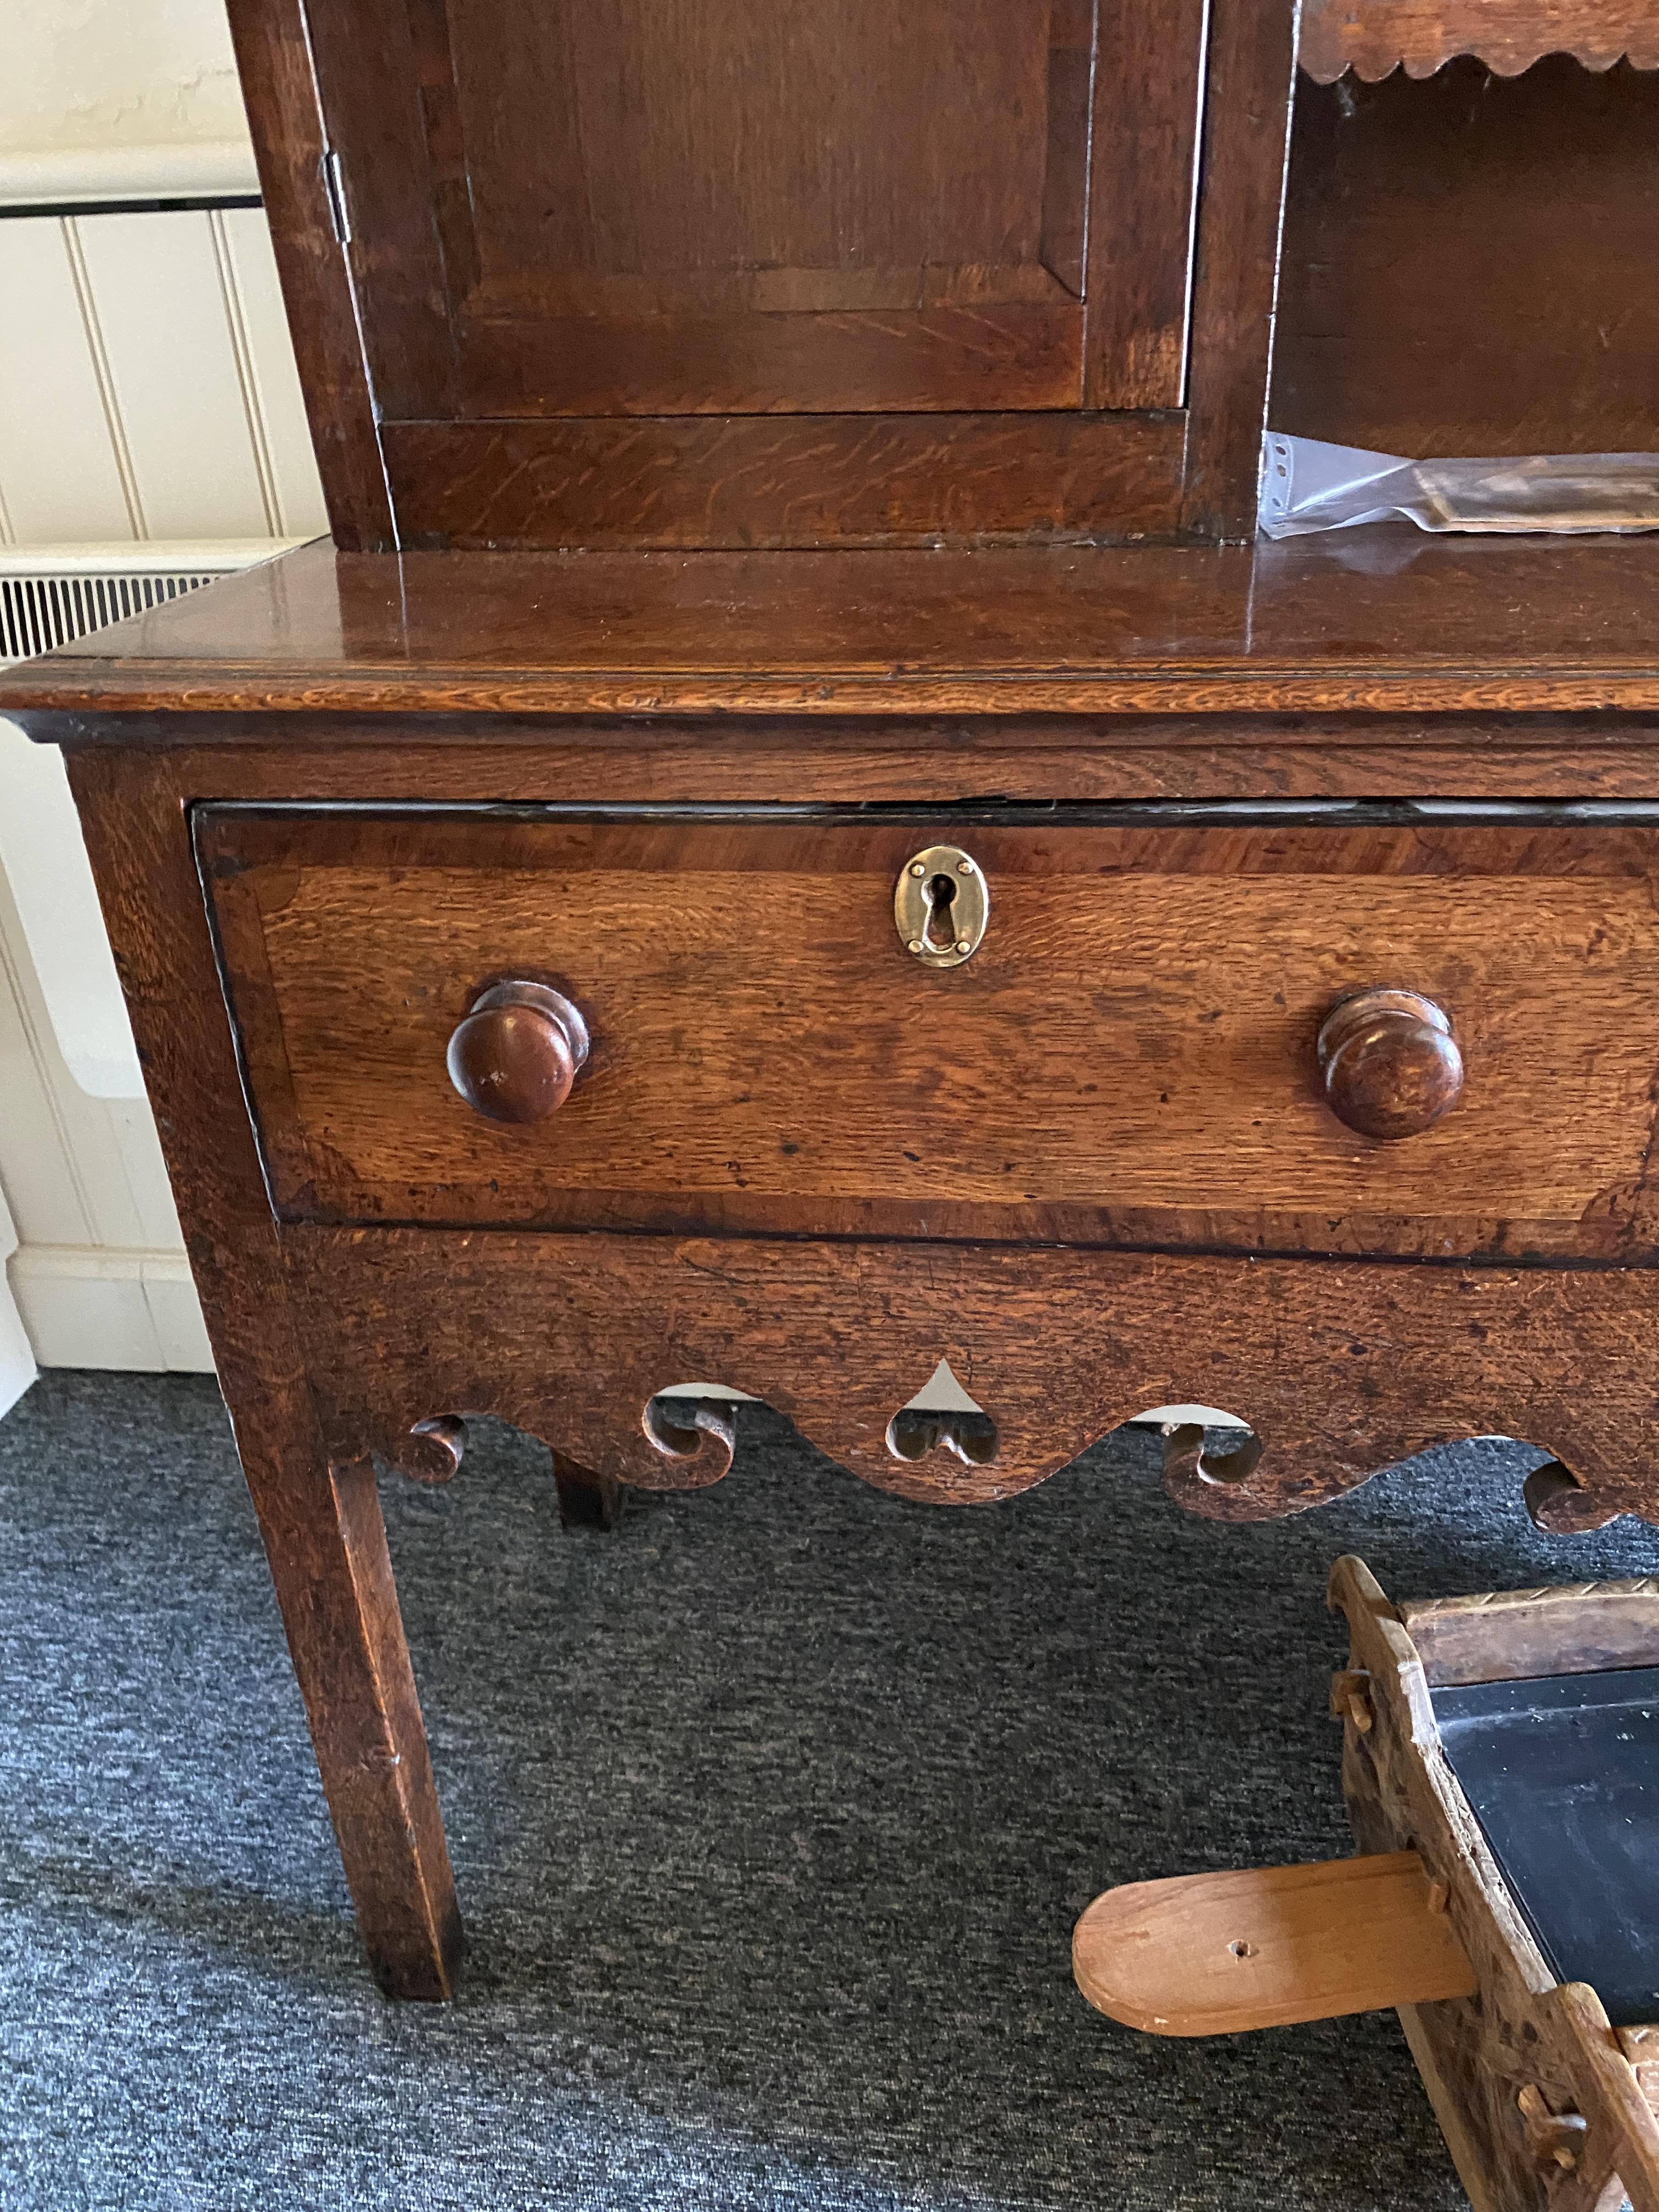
1383	619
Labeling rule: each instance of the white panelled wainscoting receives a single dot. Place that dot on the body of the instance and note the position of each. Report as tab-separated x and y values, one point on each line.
147	383
147	396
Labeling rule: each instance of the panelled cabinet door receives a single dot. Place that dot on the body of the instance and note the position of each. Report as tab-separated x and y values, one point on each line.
716	208
674	214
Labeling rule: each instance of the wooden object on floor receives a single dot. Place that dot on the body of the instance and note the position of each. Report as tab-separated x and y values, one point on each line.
1512	1635
1563	1774
1512	2072
1263	1947
1544	2101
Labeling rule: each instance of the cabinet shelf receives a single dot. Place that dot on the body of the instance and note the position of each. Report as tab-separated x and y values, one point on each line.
1373	37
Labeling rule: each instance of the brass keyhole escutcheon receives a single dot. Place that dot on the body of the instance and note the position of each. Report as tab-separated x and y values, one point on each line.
941	905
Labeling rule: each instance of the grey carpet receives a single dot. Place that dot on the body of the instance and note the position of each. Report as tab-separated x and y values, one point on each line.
771	1817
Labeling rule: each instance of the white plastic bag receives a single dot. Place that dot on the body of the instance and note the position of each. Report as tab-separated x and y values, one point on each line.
1307	485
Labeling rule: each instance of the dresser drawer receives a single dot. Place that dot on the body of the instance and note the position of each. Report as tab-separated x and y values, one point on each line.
1130	1055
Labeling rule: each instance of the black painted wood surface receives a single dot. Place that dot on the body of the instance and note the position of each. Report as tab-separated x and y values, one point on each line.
1563	1773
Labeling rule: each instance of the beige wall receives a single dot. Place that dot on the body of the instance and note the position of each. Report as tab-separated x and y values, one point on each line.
98	74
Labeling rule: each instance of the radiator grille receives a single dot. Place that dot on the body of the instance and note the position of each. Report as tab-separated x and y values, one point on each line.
40	610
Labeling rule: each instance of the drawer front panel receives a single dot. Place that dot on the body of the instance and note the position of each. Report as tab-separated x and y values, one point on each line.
1128	1056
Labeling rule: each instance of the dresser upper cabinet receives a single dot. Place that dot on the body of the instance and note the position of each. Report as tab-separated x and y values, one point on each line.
682	272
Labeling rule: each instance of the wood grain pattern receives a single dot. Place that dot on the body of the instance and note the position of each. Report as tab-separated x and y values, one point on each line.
1390	1062
1341	1367
691	246
1128	1057
686	762
806	210
1530	324
1385	623
74	696
1496	2066
1142	187
1374	37
273	55
1641	2046
379	69
607	136
320	1520
1609	2095
1265	1947
948	358
1512	1635
682	761
784	481
1250	70
1062	241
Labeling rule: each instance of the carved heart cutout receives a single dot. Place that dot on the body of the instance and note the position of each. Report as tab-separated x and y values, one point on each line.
964	1428
916	1431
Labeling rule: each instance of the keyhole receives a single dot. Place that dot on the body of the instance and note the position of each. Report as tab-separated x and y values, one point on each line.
940	902
939	931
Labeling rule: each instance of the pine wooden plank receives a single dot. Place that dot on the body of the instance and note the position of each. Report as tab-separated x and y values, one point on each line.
1262	1947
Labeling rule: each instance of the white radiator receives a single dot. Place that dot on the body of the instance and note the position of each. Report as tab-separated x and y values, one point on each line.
41	607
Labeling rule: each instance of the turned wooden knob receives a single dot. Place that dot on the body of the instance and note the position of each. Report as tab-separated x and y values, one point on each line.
1390	1062
515	1056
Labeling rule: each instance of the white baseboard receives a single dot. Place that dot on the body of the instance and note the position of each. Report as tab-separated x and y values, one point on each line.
91	1306
16	1353
17	1368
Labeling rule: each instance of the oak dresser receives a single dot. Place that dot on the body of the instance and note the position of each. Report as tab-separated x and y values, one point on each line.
792	835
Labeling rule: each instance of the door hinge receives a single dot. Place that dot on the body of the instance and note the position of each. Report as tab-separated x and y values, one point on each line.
334	185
